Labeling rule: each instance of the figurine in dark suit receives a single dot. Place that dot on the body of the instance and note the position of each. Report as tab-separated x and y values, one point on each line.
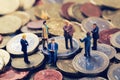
24	45
53	48
95	35
87	41
68	33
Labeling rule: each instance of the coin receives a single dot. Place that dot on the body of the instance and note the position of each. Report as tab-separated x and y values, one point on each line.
1	63
94	78
48	10
113	72
77	13
109	3
48	74
94	65
64	10
101	23
25	17
117	56
114	40
4	41
11	24
5	56
36	61
107	49
7	6
90	10
105	35
27	30
26	4
14	46
31	12
35	24
66	66
12	74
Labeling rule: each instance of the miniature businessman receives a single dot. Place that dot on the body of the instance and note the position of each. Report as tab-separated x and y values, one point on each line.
87	41
95	35
68	33
24	45
44	35
53	48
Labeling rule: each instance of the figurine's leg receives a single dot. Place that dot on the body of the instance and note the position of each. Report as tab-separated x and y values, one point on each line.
55	57
26	57
66	43
49	61
94	44
71	44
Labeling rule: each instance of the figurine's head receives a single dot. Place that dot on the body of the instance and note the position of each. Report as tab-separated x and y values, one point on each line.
94	25
52	40
88	33
23	36
67	23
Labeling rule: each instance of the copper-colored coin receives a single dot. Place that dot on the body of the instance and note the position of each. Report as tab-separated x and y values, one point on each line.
48	74
101	23
105	35
96	64
107	49
113	72
77	13
115	40
35	24
35	61
12	74
66	66
64	9
90	10
27	30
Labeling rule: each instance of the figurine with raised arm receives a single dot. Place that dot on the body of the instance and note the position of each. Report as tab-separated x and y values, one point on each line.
87	41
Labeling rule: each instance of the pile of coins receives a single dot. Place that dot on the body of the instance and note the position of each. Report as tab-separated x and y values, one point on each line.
18	17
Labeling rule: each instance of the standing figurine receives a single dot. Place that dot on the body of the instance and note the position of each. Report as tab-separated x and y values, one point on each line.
95	35
44	34
87	41
53	48
68	33
24	45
